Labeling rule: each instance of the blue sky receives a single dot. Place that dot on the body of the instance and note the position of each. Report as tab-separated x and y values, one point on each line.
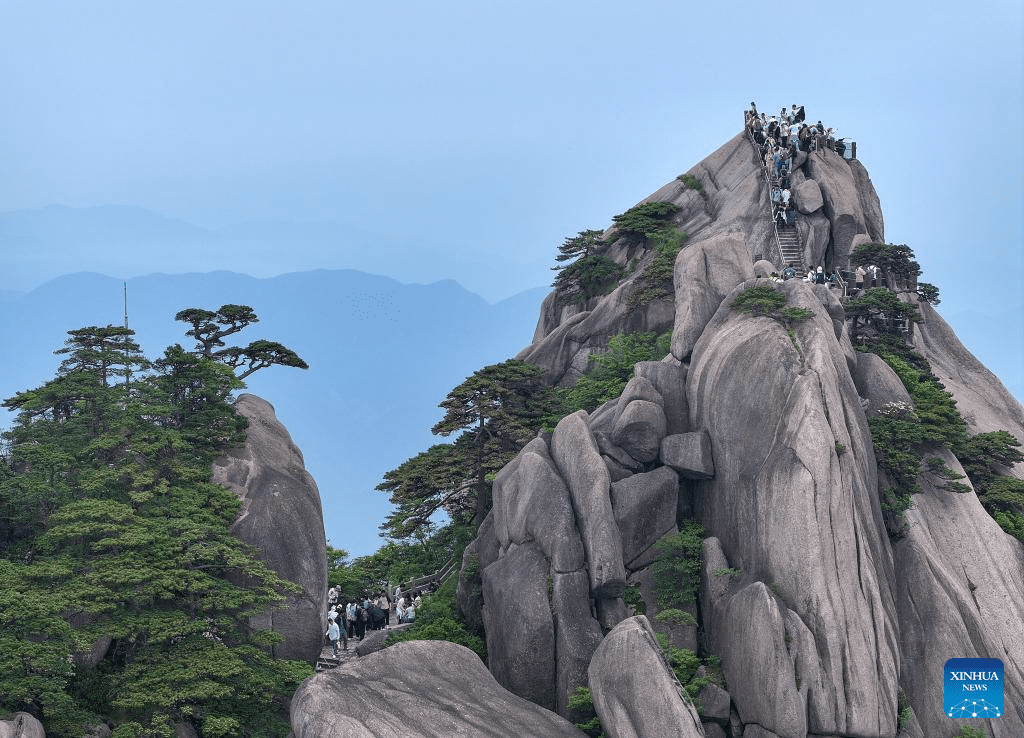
472	138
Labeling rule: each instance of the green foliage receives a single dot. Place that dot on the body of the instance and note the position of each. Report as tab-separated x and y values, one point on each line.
904	712
897	260
587	277
210	328
840	448
633	599
110	522
495	412
644	220
878	312
759	300
692	183
396	562
582	700
766	300
677	566
969	732
675	616
612	370
771	302
928	292
723	571
656	281
895	433
985	456
1011	522
934	407
938	468
437	619
582	244
685	664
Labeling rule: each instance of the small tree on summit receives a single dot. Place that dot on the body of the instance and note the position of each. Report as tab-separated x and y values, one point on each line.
209	328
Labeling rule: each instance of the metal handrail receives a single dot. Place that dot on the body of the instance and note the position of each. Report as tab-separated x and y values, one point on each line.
781	263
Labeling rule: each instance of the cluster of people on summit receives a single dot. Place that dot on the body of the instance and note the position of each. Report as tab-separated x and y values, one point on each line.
780	138
352	618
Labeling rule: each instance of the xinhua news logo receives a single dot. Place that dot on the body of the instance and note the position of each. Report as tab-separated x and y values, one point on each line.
973	688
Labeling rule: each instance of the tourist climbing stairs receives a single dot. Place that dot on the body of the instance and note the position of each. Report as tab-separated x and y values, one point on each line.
787	238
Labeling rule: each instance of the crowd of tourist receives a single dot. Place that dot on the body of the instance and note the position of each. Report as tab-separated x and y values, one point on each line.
779	139
352	618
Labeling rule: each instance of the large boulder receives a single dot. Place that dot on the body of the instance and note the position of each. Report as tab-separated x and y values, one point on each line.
645	510
793	512
282	518
878	384
869	202
635	694
428	689
704	273
807	197
575	452
842	200
689	454
669	378
21	725
531	503
815	232
520	630
639	430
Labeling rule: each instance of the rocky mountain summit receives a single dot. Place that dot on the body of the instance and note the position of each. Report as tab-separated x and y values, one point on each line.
822	622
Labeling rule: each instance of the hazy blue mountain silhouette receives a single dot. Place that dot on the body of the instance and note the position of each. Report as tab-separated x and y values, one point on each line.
38	245
382	355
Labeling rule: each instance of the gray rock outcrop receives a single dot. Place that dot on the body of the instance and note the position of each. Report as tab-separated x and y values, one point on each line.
758	430
21	725
807	197
282	517
644	699
422	689
959	589
792	512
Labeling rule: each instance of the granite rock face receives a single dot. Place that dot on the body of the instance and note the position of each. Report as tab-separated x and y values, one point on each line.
791	511
21	725
960	593
429	689
282	517
758	430
644	699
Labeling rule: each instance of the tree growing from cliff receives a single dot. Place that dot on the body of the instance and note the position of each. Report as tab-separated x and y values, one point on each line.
591	273
494	412
895	260
210	328
498	410
112	527
878	311
643	221
611	370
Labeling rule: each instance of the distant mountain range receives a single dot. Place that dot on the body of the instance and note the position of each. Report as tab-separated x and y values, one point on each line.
382	355
38	245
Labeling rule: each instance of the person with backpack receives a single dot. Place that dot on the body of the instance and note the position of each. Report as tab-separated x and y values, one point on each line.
350	618
360	621
334	634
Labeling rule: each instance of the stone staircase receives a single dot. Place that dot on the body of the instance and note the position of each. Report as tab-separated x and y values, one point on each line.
789	243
